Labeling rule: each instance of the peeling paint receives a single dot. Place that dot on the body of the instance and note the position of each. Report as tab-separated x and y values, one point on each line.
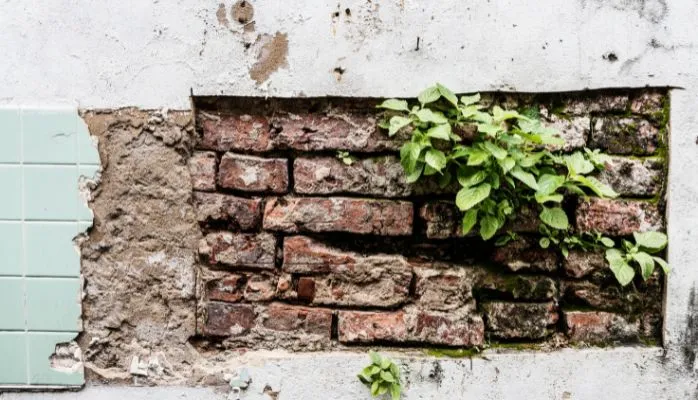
271	56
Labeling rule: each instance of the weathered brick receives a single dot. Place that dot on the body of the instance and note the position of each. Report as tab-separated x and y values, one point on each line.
253	174
443	287
585	104
624	135
520	320
518	287
633	177
524	255
316	132
582	263
202	167
239	249
307	214
649	103
236	132
606	295
574	131
442	220
352	280
224	319
367	327
239	213
299	320
618	217
599	327
453	328
233	288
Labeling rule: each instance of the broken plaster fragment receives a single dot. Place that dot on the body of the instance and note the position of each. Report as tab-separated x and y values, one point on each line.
138	369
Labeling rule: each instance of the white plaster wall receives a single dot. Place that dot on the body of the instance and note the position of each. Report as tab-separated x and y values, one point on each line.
153	53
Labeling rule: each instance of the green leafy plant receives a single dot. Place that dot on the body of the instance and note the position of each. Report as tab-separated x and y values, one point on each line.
345	157
639	254
382	376
501	159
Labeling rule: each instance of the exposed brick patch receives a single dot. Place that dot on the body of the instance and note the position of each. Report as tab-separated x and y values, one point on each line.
573	130
525	255
519	287
618	217
202	167
233	288
239	249
337	214
446	328
236	132
580	263
586	104
253	174
634	177
442	220
648	103
602	293
285	318
444	287
229	319
520	320
624	135
599	327
236	212
367	327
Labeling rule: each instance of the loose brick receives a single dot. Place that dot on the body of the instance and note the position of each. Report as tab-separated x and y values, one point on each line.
239	249
446	328
624	136
618	217
444	287
582	263
317	132
307	214
367	327
299	320
233	288
525	255
442	220
600	327
237	212
228	319
202	167
518	287
352	280
520	320
236	132
586	104
632	177
253	174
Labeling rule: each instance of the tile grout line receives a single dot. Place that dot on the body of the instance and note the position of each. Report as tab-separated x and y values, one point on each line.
24	247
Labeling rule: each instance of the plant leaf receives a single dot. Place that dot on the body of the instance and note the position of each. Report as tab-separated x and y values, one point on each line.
395	105
525	177
554	217
596	186
623	272
663	264
375	386
608	242
555	198
429	95
387	376
548	184
469	221
507	164
385	363
651	241
477	157
375	357
467	198
383	389
468	100
395	391
447	94
489	129
488	227
396	123
416	173
467	178
426	115
544	242
646	264
498	152
441	131
435	159
577	164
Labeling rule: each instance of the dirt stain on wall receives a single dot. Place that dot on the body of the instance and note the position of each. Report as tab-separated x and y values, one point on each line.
271	56
222	16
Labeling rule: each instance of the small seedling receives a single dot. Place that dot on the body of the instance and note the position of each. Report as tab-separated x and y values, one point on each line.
382	376
640	254
346	158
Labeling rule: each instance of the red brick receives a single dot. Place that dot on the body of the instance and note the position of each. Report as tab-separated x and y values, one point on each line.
313	132
444	287
236	132
253	174
367	327
239	213
582	263
443	220
352	279
600	327
520	320
228	319
230	289
446	328
239	249
285	318
308	214
202	167
618	217
524	255
260	287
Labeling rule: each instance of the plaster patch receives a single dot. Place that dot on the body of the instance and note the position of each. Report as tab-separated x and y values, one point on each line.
272	56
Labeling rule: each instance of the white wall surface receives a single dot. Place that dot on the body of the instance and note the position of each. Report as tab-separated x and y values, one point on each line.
152	53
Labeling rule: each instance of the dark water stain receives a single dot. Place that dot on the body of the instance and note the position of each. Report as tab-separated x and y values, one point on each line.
690	340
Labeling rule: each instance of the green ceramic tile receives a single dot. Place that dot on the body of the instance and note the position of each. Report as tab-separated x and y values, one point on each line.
12	316
41	345
86	172
10	135
87	148
11	248
49	249
50	136
13	350
53	304
49	192
11	198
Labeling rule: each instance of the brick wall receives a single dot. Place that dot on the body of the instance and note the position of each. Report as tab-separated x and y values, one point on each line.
305	252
